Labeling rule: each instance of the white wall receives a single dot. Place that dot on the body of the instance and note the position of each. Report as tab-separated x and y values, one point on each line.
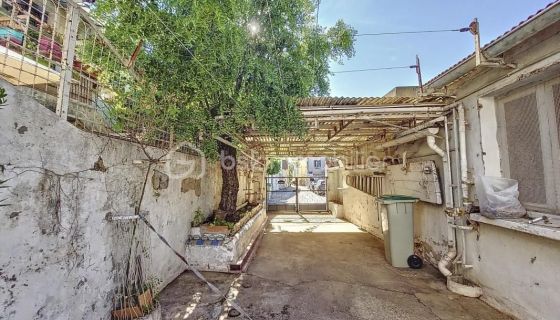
360	208
518	272
58	251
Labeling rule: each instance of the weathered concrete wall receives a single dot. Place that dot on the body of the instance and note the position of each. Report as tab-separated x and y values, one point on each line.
517	270
334	185
58	256
360	208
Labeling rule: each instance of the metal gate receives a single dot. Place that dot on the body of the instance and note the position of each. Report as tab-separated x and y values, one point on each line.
296	194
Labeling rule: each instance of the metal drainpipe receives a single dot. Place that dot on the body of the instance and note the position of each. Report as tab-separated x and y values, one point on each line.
463	154
453	284
451	254
451	234
463	230
459	190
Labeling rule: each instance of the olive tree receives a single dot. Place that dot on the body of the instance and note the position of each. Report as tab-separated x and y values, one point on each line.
213	68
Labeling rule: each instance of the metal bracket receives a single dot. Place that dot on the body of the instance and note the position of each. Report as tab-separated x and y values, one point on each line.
480	58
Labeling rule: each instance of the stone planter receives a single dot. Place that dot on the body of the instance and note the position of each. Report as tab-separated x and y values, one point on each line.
227	251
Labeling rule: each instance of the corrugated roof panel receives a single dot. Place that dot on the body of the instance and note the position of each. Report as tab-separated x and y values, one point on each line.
369	101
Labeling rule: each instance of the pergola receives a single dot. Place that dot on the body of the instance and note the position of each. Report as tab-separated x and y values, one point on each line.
336	126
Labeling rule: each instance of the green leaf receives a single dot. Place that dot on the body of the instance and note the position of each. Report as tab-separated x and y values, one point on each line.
205	72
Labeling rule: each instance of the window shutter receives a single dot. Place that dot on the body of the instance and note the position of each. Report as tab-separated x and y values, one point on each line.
524	148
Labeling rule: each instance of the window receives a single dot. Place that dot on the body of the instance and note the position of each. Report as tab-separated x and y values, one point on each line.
529	145
317	164
284	164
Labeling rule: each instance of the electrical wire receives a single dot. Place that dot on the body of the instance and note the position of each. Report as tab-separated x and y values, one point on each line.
412	32
374	69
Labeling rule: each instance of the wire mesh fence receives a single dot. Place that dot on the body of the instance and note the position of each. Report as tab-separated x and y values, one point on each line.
57	53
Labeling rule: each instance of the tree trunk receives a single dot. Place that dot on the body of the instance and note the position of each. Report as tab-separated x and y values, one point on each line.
230	183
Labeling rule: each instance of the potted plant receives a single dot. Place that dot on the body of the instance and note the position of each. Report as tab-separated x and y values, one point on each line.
197	221
218	226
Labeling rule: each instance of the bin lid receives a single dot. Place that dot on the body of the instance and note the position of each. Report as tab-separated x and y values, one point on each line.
392	198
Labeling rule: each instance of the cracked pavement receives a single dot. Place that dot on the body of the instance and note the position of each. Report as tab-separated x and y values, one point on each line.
322	268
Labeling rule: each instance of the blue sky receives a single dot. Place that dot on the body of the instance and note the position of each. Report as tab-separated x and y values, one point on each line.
438	51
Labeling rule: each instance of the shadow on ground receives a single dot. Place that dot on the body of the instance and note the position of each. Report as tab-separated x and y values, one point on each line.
319	267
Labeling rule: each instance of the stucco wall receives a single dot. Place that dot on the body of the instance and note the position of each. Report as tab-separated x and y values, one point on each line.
518	272
334	185
360	208
57	257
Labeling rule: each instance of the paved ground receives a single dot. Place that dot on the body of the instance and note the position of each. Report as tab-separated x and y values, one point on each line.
319	267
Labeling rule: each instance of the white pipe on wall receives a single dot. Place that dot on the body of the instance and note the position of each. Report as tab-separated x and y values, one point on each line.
449	188
457	180
455	283
432	144
451	249
463	154
409	138
431	140
451	234
463	230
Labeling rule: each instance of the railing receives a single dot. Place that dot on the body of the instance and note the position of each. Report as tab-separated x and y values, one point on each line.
58	54
370	184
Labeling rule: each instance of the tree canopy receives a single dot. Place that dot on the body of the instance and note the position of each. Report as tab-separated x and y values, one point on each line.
273	166
216	67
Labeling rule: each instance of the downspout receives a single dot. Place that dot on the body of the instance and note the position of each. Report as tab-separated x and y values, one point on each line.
452	248
456	283
463	156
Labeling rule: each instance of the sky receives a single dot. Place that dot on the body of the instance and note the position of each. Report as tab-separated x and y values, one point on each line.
437	51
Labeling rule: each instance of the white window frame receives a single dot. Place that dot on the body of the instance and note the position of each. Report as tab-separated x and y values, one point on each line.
550	145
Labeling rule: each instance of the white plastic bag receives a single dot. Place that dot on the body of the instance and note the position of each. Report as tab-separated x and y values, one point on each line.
498	198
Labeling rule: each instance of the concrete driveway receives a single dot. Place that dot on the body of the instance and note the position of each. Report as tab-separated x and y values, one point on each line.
320	267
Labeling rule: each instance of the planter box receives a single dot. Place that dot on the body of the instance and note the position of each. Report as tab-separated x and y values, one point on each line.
233	252
208	229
